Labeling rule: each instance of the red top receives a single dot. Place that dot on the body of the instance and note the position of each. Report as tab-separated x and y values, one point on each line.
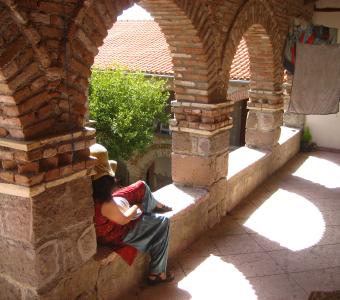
111	233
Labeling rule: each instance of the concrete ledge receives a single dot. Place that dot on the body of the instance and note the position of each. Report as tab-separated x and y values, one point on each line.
189	219
248	168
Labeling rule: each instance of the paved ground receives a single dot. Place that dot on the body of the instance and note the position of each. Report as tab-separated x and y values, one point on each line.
282	243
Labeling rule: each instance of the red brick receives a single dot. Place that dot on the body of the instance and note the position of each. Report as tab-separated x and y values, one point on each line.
7	176
66	170
41	18
11	51
56	20
8	164
29	167
49	7
65	148
3	132
66	158
78	166
89	143
49	163
28	180
193	118
52	174
79	145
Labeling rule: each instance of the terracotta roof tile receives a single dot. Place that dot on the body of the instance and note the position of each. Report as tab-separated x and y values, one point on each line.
140	45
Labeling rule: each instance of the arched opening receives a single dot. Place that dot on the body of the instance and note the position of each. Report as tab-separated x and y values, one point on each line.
265	104
238	93
159	173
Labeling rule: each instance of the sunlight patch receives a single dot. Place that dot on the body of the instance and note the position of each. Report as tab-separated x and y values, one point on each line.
217	279
135	13
320	171
288	219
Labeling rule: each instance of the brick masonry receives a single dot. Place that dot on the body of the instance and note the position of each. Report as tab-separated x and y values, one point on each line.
46	51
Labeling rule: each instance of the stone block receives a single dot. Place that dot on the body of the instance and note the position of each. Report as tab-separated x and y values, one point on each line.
192	170
16	217
214	144
87	244
112	285
264	120
183	142
62	206
34	267
79	284
262	139
77	245
9	290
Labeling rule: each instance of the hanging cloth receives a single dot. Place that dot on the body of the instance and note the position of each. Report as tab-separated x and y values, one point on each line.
316	82
302	32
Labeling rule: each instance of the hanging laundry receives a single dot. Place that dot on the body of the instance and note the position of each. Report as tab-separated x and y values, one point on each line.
316	82
306	33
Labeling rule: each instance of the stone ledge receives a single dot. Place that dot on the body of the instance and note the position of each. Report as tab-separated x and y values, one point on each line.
32	145
248	167
27	192
199	131
187	209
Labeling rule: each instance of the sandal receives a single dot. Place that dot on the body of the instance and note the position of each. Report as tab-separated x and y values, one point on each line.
162	209
158	279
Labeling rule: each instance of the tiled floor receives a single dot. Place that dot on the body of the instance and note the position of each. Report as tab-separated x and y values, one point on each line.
282	243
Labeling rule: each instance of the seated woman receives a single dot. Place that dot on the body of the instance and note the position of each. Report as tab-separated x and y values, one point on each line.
126	217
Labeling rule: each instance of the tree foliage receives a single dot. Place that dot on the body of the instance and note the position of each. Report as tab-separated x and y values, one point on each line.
125	107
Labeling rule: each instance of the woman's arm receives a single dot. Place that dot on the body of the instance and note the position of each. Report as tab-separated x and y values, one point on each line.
111	211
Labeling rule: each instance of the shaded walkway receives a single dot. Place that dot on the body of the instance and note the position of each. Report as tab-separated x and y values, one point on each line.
282	242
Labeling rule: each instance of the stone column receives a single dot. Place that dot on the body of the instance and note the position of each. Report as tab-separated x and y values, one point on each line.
290	119
46	214
200	141
264	118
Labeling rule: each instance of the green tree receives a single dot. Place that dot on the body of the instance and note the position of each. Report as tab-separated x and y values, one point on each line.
125	106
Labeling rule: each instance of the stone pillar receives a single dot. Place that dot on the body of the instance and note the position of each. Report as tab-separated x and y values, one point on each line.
200	141
290	119
264	118
46	213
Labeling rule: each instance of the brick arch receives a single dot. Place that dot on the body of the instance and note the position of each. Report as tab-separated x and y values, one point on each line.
21	80
138	167
256	22
183	25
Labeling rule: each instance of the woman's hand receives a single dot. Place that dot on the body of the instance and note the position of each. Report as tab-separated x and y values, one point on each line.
111	211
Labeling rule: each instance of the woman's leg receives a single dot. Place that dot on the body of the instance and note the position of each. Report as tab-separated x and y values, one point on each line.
151	234
149	202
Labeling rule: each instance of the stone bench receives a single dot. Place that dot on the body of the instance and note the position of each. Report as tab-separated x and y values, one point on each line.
115	277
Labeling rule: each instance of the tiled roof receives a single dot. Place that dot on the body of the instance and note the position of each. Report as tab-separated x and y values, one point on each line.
140	45
240	66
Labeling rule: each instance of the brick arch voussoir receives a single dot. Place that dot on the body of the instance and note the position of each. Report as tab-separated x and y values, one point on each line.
22	81
260	14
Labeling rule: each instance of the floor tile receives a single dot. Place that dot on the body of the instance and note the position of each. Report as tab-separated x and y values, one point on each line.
254	264
309	259
277	287
202	247
318	280
236	244
227	226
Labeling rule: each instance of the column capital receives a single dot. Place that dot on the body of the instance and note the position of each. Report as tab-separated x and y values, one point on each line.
28	168
200	118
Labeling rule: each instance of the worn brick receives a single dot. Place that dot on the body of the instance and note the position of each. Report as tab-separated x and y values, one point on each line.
28	179
29	167
52	174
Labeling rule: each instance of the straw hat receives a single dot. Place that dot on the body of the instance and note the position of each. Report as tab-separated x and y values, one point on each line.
103	166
